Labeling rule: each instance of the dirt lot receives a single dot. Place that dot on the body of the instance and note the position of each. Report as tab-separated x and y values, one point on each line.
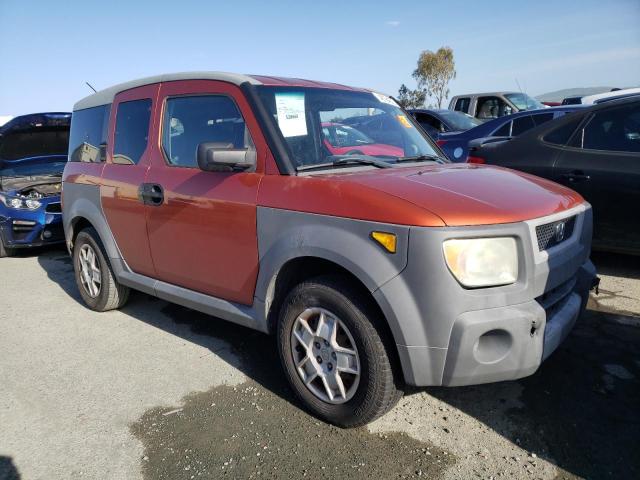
158	391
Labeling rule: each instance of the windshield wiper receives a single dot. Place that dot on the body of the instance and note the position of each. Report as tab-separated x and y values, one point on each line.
422	158
345	160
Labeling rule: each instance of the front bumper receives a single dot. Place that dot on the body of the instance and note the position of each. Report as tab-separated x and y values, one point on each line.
510	342
448	335
23	228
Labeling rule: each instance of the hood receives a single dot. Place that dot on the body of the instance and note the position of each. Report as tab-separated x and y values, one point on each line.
35	135
463	194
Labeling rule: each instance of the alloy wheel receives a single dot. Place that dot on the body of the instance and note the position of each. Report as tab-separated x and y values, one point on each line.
325	355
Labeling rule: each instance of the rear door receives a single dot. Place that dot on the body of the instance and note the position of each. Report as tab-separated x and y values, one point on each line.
128	148
202	231
602	162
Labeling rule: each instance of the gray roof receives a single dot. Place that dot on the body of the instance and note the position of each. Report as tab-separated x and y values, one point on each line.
486	94
106	96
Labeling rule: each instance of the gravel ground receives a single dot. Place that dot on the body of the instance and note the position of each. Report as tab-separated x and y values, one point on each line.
158	391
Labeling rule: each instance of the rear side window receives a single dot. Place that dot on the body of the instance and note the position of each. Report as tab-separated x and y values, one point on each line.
190	121
521	125
88	137
562	135
543	118
132	131
614	129
503	131
462	105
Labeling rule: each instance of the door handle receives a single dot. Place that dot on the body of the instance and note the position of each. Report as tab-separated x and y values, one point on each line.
151	194
576	176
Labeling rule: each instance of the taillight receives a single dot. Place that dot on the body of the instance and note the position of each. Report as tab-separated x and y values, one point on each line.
472	159
441	142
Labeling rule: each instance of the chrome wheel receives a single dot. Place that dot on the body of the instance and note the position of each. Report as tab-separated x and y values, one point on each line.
325	355
89	269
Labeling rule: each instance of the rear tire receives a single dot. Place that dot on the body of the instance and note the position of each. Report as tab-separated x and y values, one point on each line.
95	279
311	359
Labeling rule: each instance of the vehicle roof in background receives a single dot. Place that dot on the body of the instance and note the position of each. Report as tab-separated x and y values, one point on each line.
506	92
590	99
107	95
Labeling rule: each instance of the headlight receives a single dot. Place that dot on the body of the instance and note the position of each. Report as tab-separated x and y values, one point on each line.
19	203
482	262
32	204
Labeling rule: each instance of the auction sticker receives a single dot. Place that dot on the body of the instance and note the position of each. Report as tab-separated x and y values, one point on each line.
291	114
384	99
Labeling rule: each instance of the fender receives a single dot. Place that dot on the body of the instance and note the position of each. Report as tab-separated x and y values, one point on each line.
83	201
284	235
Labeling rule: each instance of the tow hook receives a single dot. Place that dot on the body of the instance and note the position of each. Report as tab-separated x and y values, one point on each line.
595	284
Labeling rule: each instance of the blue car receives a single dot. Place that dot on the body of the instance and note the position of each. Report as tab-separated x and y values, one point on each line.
456	145
33	153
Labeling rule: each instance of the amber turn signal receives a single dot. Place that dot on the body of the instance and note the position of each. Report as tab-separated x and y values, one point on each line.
387	240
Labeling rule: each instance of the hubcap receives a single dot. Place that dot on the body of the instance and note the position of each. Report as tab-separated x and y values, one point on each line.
325	355
89	268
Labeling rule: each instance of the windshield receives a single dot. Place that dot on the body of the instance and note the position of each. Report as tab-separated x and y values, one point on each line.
53	166
459	120
320	125
522	101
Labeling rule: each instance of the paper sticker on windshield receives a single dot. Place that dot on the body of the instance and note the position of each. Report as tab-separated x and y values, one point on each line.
404	121
384	99
291	114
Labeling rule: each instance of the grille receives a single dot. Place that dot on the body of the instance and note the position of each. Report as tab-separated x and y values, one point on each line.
551	234
54	208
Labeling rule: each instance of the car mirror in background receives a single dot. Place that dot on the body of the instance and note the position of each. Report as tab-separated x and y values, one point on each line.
222	157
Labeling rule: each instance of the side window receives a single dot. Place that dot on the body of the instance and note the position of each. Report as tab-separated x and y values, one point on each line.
521	125
430	122
88	137
503	131
491	107
132	131
544	117
613	129
462	105
190	121
562	135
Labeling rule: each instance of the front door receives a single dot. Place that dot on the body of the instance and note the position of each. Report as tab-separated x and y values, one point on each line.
202	232
602	163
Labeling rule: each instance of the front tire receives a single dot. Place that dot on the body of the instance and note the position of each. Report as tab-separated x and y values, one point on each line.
333	354
4	251
95	279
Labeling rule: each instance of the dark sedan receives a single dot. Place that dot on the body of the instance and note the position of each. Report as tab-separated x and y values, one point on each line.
595	151
456	145
436	122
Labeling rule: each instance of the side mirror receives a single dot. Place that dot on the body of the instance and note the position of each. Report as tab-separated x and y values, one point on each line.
222	157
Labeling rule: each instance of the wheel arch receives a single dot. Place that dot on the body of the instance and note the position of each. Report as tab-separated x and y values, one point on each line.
298	269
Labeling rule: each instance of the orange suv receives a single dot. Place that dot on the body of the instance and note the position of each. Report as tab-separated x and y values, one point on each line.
374	268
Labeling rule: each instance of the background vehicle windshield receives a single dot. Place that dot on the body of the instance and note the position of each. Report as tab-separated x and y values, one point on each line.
320	124
460	121
524	102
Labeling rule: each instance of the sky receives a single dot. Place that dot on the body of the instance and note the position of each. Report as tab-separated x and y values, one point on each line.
49	49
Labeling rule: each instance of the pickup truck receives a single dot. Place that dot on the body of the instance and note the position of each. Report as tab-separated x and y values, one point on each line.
376	270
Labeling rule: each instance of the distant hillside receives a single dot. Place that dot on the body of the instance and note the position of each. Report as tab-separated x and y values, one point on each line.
558	95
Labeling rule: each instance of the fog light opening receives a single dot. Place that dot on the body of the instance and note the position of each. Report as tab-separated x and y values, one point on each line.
493	346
